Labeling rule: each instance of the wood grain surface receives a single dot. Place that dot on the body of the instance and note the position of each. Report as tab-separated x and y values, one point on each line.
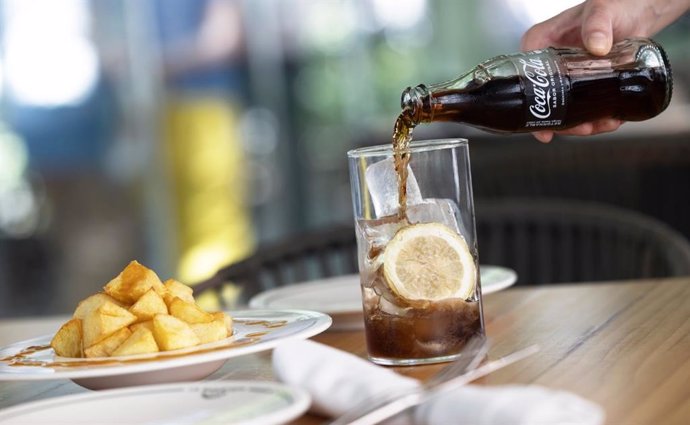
624	345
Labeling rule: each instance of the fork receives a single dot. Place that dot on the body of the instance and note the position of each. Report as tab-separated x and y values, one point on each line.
384	407
363	413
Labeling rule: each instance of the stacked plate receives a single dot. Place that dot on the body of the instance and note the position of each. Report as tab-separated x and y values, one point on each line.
340	296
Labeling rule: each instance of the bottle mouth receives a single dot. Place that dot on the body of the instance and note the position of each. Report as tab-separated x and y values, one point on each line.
412	99
406	99
669	74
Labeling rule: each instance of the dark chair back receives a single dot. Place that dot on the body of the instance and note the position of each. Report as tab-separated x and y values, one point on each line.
312	255
544	241
550	241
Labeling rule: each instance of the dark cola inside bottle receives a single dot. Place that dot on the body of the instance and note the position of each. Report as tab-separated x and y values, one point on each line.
553	88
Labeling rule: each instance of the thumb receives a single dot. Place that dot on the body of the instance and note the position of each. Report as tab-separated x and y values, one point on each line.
597	29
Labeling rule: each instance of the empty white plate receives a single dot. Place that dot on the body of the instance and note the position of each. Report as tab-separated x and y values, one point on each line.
223	402
340	296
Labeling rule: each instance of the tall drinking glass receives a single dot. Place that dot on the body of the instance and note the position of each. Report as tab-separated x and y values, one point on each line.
418	270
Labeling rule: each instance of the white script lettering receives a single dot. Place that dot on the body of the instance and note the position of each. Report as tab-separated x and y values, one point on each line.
535	71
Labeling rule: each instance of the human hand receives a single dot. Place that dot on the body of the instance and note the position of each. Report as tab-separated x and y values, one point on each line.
596	25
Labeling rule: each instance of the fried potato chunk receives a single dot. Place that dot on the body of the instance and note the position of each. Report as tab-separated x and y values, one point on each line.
176	289
189	312
68	341
147	324
104	321
172	333
89	304
226	318
210	332
140	342
105	347
148	306
134	281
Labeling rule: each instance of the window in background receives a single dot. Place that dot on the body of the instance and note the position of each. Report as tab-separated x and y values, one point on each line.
58	107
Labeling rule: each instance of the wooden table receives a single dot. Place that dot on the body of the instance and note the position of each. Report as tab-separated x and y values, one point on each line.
625	345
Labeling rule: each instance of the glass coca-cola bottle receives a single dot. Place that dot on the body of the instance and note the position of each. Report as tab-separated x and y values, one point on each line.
553	88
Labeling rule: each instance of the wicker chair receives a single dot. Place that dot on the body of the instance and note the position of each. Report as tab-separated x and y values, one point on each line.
546	241
312	255
551	241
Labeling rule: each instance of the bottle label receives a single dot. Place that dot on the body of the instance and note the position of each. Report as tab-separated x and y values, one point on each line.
546	88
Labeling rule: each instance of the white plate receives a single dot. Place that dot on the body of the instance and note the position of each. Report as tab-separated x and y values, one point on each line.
341	298
496	278
254	330
225	402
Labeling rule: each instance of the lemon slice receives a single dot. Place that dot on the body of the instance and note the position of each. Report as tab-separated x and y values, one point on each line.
429	262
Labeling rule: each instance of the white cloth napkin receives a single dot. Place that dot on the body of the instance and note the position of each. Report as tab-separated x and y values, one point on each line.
337	381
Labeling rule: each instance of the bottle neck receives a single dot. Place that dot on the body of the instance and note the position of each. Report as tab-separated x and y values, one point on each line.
417	100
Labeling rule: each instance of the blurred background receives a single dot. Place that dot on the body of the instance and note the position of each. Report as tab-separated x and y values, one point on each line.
185	133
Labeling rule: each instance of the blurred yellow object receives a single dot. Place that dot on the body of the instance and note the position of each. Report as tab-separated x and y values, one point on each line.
208	170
